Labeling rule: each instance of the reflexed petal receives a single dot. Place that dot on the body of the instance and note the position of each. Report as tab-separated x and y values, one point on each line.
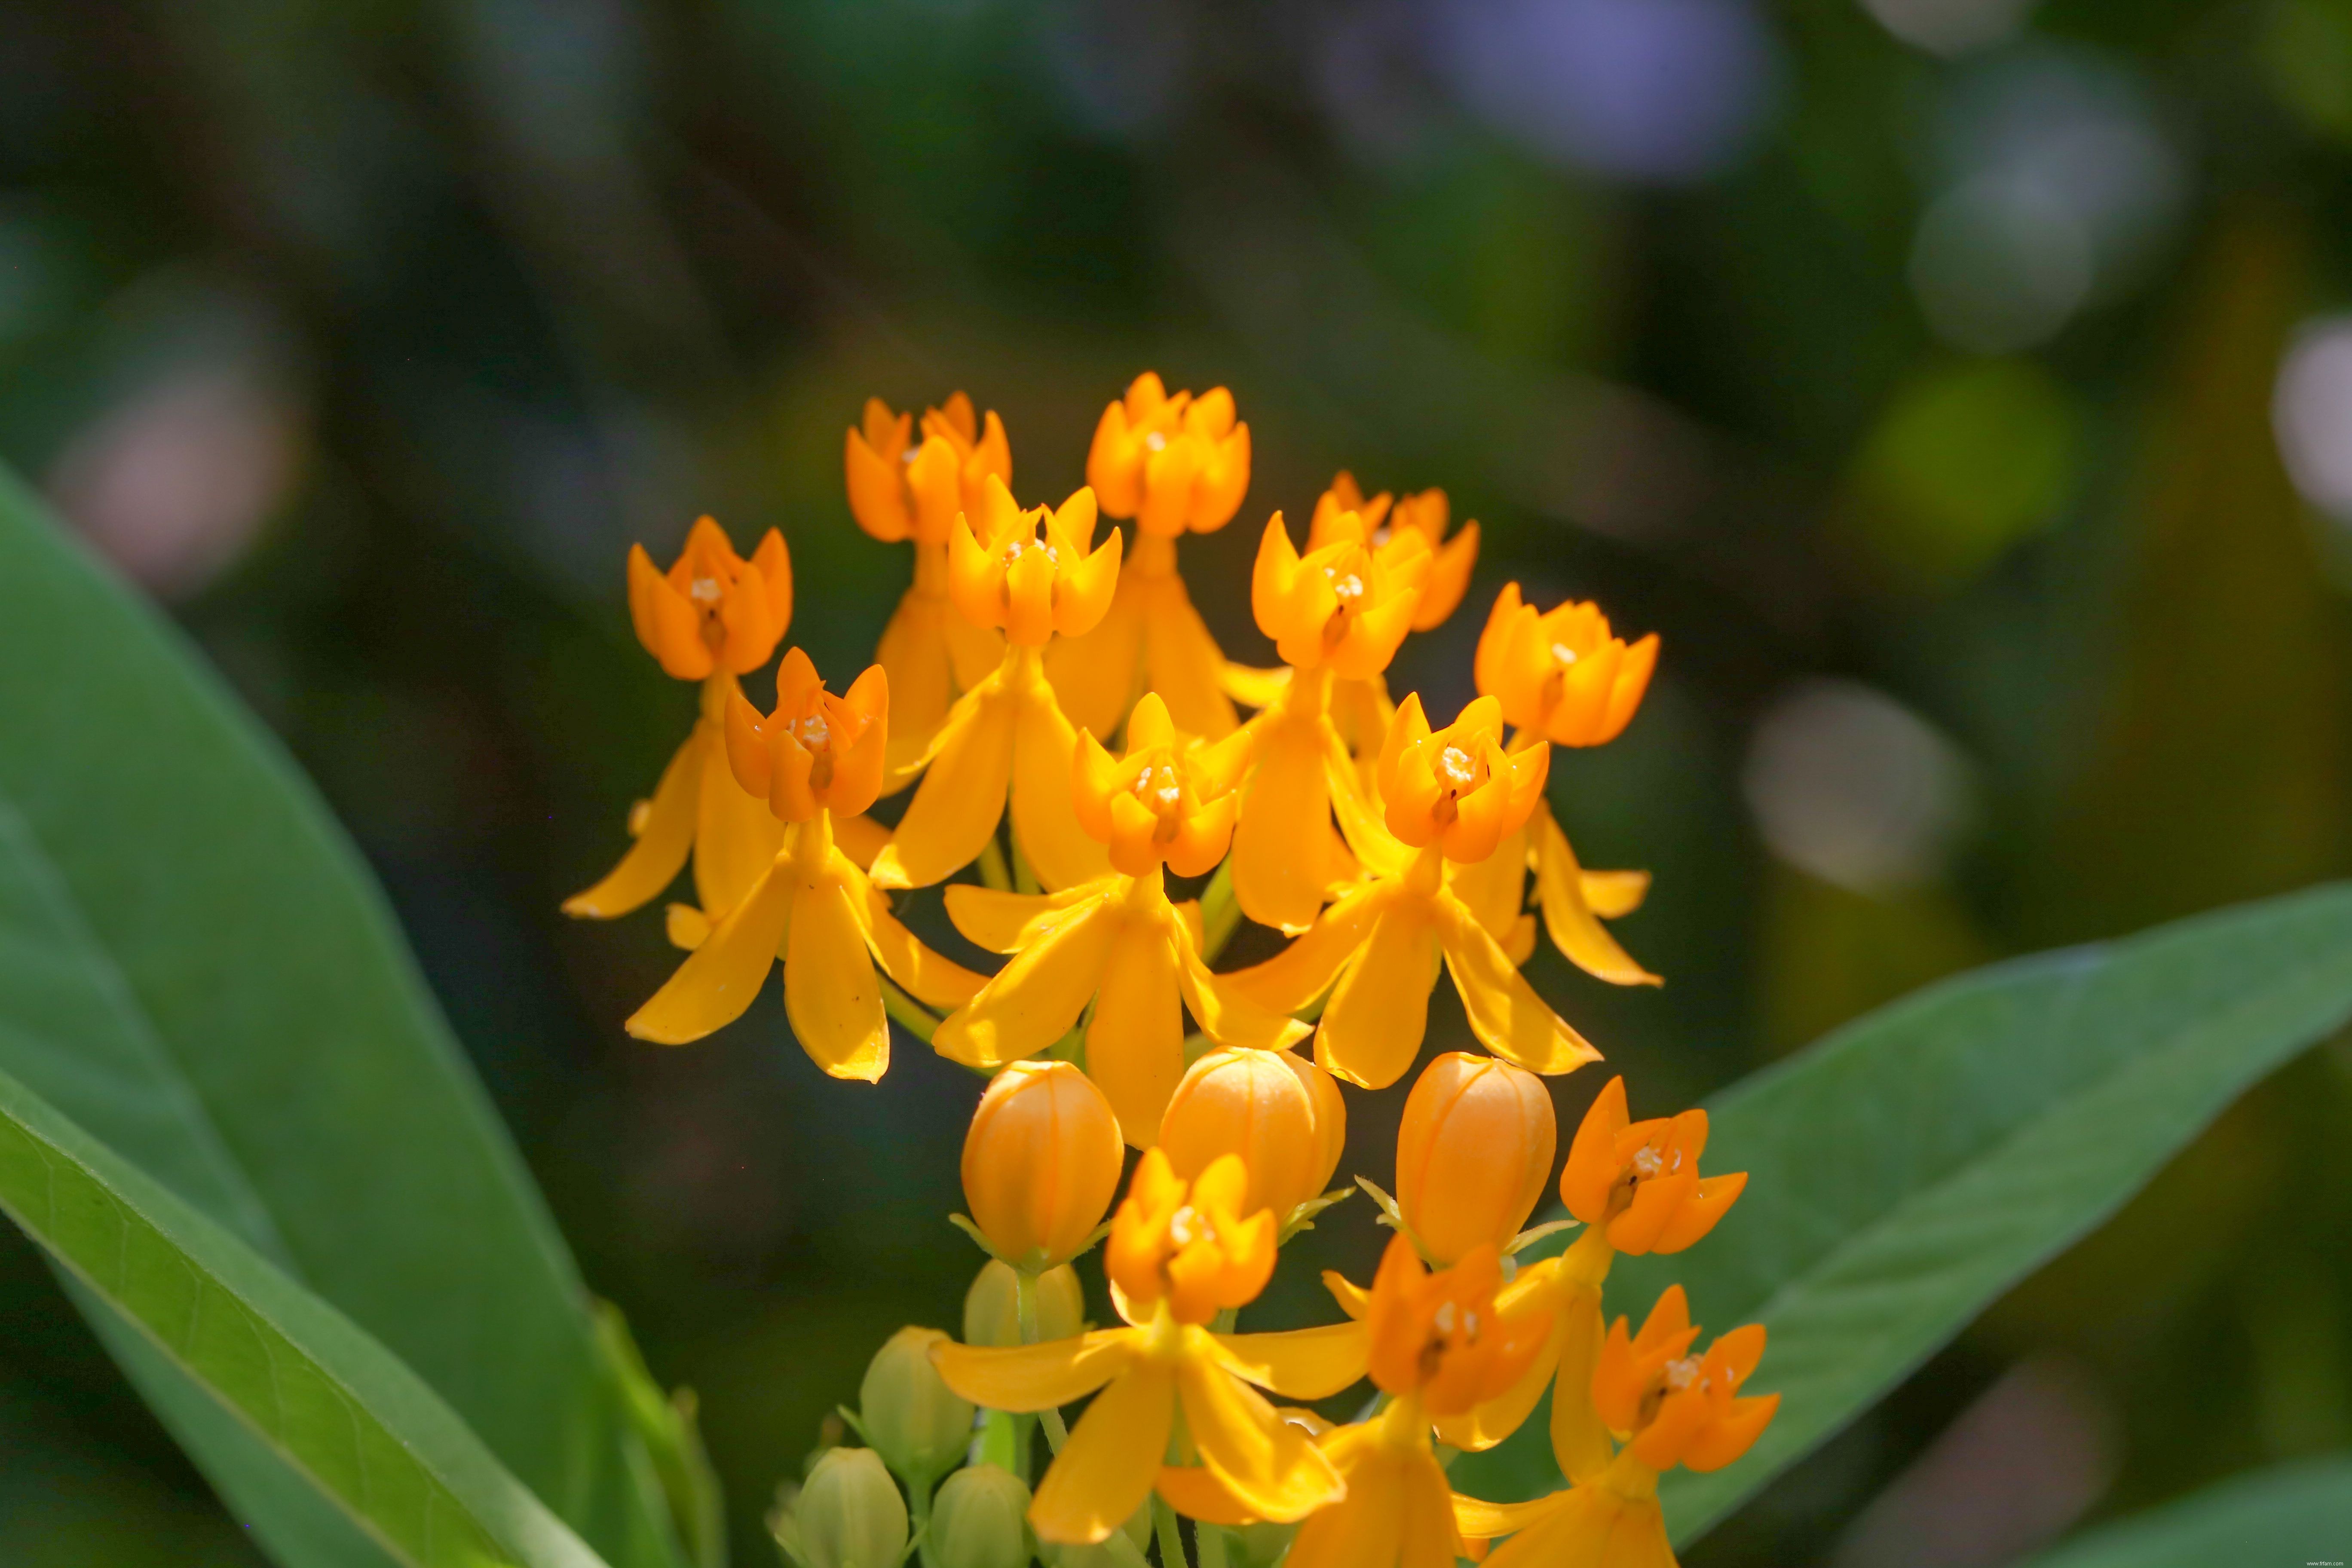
1379	1012
1362	1531
1226	1013
1036	999
663	838
1303	1363
929	977
1274	1469
719	978
1006	921
1195	1491
1095	677
860	838
735	837
1613	894
1592	1528
1572	924
913	650
1255	687
1478	1520
1182	663
961	799
1426	1537
1280	868
1024	1378
1305	969
1045	817
1504	1012
1135	1042
831	994
1106	1471
1580	1439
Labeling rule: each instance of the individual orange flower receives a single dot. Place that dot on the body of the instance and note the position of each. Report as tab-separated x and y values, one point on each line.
811	907
1345	605
1636	1187
1175	464
1456	787
899	489
711	618
1473	1153
1040	1164
1264	1107
1116	939
1385	525
1180	1253
1034	574
1672	1408
1376	950
1437	1345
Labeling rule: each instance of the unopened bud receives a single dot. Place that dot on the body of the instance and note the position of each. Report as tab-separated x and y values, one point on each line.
1041	1161
850	1514
992	1307
1474	1152
978	1520
910	1415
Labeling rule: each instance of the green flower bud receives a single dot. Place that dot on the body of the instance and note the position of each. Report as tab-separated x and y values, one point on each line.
909	1414
1137	1529
992	1314
850	1514
979	1520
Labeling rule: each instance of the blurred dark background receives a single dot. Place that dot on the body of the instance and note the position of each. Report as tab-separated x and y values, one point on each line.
1956	385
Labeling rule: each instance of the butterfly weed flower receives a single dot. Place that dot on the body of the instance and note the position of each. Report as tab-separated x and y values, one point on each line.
1180	1252
1636	1188
1563	678
711	617
1117	941
1473	1153
1452	795
817	755
1040	1164
902	489
1175	464
1668	1407
1280	1113
1437	1346
1338	612
1033	574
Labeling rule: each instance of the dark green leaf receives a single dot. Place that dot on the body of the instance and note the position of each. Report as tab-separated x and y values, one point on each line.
2292	1515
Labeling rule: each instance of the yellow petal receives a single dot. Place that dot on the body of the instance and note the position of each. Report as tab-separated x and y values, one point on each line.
914	653
1006	921
663	836
1426	1537
831	994
1271	1466
1364	1527
1104	1472
1195	1491
1579	1438
961	799
1181	662
1481	1520
1095	677
1612	894
1280	865
1305	969
929	977
1360	817
1024	1378
1227	1014
1255	687
1380	1010
1303	1363
1504	1012
1575	929
736	837
687	927
860	838
719	978
1044	817
1036	999
1590	1525
1494	887
1135	1042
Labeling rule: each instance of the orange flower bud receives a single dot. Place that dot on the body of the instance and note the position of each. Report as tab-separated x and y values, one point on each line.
1001	573
1344	603
1456	787
1330	1118
1428	515
1170	463
1161	800
1474	1151
712	610
1560	673
898	489
1041	1163
1191	1243
1439	1335
1255	1104
1641	1180
1678	1408
816	752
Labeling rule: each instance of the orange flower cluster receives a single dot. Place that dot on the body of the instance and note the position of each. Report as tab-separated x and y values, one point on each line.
1074	736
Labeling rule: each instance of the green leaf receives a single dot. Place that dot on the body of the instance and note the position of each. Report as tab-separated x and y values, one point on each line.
2292	1515
332	1402
195	968
1908	1168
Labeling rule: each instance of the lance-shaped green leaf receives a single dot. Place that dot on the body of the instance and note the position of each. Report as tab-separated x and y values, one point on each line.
2292	1515
196	969
335	1405
1908	1168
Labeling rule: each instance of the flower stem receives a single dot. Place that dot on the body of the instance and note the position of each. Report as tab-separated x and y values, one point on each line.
1025	1308
1171	1540
1209	1543
992	865
919	1499
1220	913
912	1016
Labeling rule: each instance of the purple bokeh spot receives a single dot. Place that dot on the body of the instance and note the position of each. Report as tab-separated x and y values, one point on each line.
1666	91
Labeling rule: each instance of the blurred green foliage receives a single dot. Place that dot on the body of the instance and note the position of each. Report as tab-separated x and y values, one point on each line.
368	338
